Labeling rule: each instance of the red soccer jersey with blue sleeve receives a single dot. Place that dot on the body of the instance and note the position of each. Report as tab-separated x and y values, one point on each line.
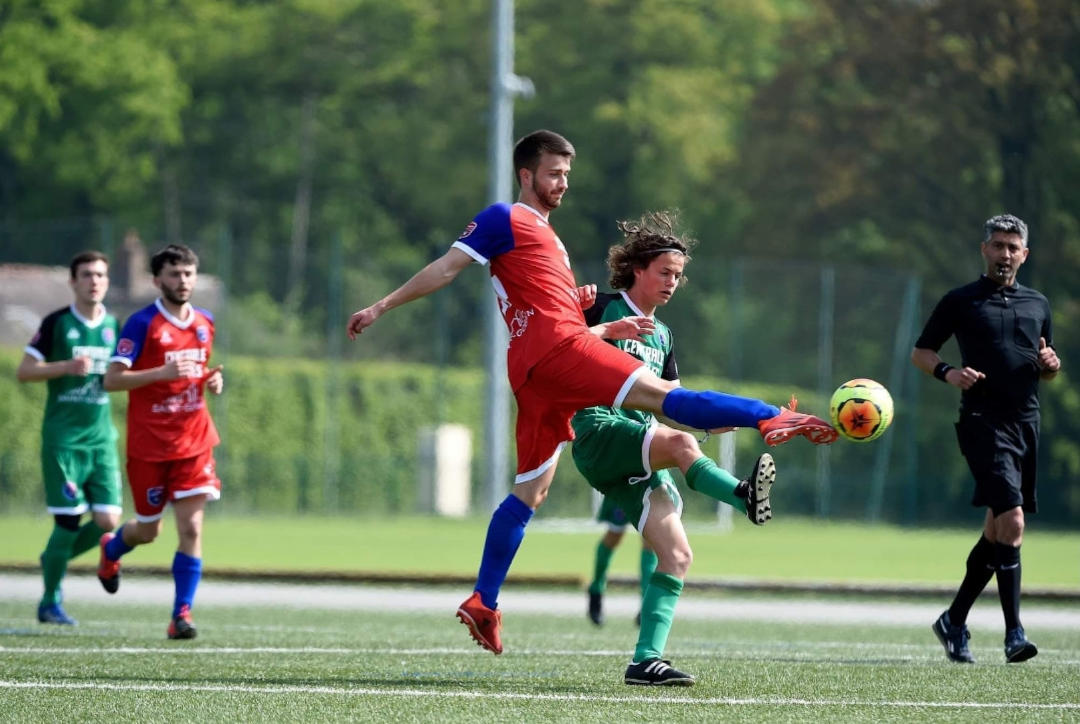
531	273
167	420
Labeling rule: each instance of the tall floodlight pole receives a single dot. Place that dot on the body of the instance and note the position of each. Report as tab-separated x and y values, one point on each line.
504	86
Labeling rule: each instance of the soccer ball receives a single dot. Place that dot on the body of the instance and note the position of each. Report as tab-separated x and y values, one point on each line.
861	410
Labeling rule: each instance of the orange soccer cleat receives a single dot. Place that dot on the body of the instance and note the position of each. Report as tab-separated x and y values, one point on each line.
788	424
484	623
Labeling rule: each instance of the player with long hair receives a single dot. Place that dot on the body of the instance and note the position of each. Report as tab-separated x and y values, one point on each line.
555	364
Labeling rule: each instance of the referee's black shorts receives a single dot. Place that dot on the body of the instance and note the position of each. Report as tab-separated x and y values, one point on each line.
1002	457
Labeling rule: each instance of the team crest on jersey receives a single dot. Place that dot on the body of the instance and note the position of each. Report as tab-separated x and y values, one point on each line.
166	338
203	333
108	335
125	346
70	491
156	496
73	334
469	228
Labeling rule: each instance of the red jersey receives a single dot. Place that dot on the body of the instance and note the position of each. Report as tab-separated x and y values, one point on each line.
167	420
531	273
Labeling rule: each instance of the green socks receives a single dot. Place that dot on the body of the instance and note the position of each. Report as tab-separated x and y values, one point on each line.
600	568
657	612
648	567
707	477
64	545
89	534
54	562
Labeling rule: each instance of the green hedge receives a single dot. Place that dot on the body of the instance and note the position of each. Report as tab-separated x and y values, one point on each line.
301	435
306	436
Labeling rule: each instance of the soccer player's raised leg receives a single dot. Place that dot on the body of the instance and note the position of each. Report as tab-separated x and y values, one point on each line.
670	448
709	410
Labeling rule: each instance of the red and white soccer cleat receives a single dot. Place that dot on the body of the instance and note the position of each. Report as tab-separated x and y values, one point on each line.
788	424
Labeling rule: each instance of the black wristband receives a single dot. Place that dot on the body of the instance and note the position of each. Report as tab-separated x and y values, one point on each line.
941	370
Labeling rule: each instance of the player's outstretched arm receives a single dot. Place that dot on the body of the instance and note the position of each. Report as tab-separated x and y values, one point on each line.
431	278
32	369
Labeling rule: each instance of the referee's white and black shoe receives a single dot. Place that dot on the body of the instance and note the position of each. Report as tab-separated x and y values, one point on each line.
756	488
654	672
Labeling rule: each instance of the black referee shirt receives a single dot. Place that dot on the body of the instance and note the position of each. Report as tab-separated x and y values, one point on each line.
998	330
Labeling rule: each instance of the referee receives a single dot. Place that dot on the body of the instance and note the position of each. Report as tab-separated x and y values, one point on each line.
1006	346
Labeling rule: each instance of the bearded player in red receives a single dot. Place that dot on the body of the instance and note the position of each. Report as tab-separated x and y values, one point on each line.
556	364
161	359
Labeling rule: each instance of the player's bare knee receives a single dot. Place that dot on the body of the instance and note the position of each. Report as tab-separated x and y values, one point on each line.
144	533
533	493
686	448
1008	527
107	521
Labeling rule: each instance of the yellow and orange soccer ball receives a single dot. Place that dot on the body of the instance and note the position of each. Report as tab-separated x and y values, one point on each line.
861	410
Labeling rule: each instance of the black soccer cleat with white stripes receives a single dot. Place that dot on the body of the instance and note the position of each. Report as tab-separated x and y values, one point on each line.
756	488
654	672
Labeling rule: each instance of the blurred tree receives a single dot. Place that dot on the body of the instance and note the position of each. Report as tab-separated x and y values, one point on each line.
86	102
912	122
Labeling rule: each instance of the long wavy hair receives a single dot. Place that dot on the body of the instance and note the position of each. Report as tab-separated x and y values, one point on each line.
654	233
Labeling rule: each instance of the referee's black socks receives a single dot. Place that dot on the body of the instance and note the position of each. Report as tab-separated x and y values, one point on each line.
981	564
1008	575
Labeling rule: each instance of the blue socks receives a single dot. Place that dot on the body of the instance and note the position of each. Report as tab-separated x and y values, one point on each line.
706	410
187	572
117	547
505	532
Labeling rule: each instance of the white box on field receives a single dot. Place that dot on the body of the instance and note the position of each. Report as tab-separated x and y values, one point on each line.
445	453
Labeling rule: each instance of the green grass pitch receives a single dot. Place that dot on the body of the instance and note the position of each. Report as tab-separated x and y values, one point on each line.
283	663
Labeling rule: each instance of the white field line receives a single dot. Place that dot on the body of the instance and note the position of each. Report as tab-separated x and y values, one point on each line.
809	650
692	604
421	693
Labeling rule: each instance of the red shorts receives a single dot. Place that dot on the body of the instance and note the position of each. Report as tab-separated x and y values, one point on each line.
580	372
155	483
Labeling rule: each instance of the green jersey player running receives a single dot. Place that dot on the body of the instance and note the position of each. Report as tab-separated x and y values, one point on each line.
79	463
625	453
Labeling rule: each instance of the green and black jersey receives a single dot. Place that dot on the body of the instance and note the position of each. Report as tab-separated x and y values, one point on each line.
657	352
77	411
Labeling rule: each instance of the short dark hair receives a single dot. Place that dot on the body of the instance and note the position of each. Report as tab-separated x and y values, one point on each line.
1006	223
643	240
86	257
529	149
172	254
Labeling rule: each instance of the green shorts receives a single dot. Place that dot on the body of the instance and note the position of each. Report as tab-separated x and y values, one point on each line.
613	457
628	503
77	480
612	514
